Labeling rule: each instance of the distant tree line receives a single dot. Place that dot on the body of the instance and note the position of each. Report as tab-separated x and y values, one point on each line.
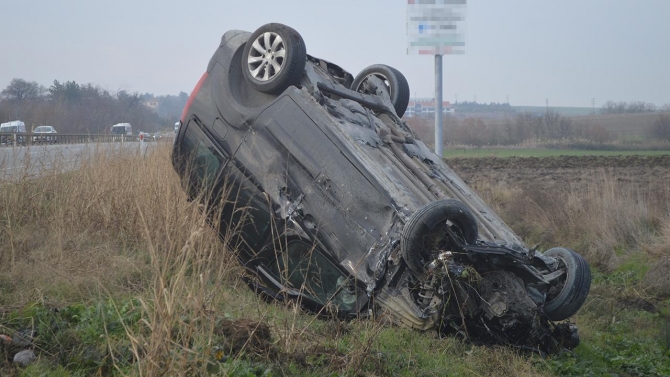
514	129
659	129
84	108
475	107
623	107
511	129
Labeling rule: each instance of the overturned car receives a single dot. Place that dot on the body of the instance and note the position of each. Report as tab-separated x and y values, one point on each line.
327	197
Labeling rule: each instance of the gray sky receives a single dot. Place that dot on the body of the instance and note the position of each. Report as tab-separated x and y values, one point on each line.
568	51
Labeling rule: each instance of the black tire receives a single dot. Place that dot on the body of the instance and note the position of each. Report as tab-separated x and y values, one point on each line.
264	52
395	81
576	284
417	248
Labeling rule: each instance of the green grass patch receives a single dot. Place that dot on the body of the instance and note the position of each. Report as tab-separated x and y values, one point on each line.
77	339
616	349
628	274
534	152
81	339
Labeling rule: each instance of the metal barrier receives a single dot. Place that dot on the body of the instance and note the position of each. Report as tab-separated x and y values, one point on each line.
25	139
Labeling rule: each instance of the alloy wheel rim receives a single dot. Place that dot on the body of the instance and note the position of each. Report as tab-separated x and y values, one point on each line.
266	56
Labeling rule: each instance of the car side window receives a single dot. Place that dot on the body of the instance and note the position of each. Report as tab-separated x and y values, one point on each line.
200	159
303	267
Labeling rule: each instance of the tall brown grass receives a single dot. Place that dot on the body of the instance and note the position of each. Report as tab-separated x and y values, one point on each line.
605	219
120	226
63	232
609	219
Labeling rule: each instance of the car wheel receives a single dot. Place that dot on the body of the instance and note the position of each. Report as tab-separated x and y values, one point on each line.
395	83
565	298
274	58
426	232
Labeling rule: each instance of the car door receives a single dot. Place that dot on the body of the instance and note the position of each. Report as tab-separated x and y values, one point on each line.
236	207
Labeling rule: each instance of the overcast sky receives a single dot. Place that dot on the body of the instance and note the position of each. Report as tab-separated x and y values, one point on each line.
568	51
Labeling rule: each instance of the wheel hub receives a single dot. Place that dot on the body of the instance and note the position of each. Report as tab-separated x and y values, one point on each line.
384	79
266	57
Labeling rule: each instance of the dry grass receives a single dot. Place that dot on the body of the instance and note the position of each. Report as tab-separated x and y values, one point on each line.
121	227
606	219
118	227
622	227
65	236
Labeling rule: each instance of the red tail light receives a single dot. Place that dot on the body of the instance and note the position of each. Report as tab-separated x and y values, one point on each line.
192	96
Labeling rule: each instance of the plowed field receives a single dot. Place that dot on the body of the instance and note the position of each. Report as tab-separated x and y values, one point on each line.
569	171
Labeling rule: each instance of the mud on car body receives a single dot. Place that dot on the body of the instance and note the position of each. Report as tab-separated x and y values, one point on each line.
311	177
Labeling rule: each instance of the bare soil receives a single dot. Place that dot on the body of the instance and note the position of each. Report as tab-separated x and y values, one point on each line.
562	172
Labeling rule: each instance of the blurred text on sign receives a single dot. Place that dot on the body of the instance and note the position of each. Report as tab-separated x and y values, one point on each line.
436	27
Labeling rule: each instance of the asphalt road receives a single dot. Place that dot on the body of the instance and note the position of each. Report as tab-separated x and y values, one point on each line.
30	161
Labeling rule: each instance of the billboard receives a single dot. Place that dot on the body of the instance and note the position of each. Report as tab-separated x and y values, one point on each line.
436	27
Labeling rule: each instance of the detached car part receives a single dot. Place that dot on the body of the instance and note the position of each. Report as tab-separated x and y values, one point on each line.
327	197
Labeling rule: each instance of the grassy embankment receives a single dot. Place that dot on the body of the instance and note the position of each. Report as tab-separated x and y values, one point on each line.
119	274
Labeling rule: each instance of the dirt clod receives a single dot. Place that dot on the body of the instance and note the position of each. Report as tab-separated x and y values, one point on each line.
250	337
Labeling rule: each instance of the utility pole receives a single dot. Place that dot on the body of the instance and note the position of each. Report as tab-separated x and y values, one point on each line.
438	105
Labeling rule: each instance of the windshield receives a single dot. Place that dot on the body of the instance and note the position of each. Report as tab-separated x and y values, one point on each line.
43	129
119	129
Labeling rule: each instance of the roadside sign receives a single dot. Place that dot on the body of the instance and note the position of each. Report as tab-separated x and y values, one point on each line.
436	27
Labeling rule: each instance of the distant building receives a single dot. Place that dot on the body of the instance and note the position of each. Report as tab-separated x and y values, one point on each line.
425	106
152	103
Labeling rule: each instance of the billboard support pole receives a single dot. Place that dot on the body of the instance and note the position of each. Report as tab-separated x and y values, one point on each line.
438	105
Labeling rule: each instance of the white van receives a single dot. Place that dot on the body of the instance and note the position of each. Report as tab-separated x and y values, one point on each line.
9	131
15	126
122	129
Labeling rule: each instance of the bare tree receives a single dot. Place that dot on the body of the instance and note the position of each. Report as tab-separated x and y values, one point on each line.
660	129
565	128
20	89
611	107
635	107
552	122
76	108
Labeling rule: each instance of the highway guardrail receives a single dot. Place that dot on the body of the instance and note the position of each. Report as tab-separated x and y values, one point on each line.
24	139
